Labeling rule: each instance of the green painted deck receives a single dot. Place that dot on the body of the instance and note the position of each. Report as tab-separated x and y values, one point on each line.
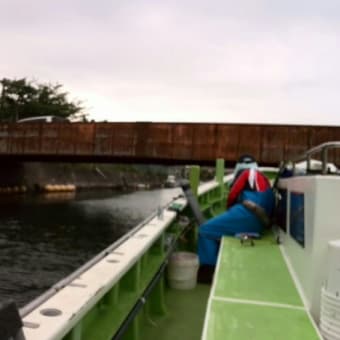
184	317
254	297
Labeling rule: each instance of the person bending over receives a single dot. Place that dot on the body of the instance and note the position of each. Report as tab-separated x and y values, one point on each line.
249	207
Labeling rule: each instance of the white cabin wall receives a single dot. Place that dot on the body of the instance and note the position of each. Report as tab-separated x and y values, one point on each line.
322	224
326	228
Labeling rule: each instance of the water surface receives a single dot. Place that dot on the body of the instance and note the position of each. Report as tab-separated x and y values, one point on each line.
45	238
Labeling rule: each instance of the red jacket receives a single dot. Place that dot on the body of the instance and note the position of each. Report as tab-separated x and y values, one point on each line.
250	179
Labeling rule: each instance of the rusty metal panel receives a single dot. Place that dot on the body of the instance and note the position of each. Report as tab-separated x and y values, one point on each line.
103	139
161	145
165	150
17	138
4	138
103	146
204	142
250	140
123	139
182	141
49	138
32	146
144	142
165	141
319	135
32	138
104	129
297	142
336	133
227	142
160	132
84	142
67	138
157	141
156	150
334	154
17	146
204	134
273	143
49	146
85	131
50	130
204	152
336	137
183	133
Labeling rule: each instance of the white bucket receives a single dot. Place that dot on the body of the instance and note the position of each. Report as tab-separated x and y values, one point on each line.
182	270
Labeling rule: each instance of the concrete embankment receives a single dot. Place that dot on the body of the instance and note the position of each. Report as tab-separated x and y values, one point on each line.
56	177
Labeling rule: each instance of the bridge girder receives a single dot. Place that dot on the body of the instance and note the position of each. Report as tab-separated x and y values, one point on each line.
159	143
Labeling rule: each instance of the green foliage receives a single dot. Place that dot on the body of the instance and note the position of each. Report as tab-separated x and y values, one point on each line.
22	99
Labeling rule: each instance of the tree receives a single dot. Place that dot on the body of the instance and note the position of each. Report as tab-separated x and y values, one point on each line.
22	99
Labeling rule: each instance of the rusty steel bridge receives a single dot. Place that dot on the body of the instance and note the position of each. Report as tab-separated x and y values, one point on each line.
159	143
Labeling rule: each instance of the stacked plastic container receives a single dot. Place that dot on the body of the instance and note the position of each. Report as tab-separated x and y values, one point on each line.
330	295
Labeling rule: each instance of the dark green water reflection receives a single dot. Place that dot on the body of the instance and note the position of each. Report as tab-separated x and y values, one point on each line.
43	239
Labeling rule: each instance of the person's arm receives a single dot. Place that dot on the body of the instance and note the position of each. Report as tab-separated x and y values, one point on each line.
237	188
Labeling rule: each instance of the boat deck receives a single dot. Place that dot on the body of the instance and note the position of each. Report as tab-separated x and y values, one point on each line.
184	317
254	297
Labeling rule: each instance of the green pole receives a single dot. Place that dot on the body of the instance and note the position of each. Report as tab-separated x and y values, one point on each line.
219	179
194	178
220	171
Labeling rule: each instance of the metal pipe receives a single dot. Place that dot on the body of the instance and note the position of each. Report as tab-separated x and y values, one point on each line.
323	148
334	144
324	157
308	163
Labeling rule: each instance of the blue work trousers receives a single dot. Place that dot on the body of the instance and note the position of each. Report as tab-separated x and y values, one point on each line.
237	219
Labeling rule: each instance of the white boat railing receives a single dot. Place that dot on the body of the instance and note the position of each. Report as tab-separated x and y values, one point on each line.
67	280
62	308
323	149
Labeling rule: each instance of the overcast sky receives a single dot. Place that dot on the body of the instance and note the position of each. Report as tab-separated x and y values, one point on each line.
262	61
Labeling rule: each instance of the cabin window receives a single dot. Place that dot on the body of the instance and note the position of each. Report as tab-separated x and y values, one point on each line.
297	217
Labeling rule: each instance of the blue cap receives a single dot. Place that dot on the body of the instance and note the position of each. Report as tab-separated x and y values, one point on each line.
246	159
245	162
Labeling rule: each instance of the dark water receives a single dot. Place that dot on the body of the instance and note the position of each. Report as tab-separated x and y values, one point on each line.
43	239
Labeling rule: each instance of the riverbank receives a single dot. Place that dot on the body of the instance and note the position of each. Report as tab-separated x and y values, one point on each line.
19	178
50	177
